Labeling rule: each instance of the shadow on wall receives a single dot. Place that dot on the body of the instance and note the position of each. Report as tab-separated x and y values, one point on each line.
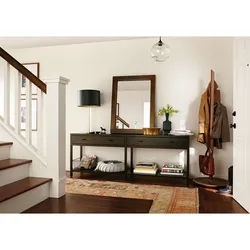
193	124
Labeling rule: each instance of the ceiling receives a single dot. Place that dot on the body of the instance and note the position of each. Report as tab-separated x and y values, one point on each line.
29	42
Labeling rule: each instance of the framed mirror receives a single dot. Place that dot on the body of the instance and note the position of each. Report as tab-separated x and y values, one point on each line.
133	104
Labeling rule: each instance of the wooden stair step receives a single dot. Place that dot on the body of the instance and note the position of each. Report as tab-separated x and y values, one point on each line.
2	143
10	163
16	188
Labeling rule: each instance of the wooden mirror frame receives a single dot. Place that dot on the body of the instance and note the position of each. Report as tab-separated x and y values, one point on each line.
117	79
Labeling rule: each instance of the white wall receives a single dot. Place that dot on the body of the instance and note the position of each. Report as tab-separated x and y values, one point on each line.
1	87
179	81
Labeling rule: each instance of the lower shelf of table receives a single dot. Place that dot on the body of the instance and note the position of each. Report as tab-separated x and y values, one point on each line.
184	176
128	172
97	172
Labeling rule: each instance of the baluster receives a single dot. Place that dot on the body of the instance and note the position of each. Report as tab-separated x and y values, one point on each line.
7	93
28	112
18	102
40	125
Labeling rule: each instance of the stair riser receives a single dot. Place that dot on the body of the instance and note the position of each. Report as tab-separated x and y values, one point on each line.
26	200
17	173
5	152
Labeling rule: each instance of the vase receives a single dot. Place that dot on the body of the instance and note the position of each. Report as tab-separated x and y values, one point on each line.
167	125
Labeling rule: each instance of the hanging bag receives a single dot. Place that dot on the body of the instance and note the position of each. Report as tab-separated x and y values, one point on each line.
206	163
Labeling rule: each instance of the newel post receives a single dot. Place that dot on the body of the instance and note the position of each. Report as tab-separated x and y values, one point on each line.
56	134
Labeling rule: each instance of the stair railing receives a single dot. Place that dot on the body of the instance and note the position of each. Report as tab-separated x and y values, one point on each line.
49	148
118	118
19	106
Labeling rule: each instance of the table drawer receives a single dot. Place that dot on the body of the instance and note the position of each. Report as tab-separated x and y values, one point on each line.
161	142
97	140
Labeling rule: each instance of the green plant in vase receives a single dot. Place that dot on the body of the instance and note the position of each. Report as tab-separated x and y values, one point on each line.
168	111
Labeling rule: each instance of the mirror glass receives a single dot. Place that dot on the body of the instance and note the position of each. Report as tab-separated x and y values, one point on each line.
133	105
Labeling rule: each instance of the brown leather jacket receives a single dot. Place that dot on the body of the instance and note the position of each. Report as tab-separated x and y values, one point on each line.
203	117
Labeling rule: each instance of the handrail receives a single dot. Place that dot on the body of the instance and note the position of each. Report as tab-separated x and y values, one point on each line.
122	121
18	66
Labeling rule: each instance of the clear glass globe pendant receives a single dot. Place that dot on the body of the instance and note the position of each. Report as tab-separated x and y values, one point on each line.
160	51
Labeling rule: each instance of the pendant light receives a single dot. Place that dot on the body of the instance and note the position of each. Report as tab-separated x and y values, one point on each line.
160	51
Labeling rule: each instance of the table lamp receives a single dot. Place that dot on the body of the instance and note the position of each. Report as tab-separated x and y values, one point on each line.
88	98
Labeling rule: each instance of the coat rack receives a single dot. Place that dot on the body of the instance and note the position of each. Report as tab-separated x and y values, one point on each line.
214	96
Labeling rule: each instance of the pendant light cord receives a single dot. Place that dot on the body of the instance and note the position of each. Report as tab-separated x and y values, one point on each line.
160	43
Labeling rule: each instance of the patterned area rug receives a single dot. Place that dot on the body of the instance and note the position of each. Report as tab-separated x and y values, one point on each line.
166	199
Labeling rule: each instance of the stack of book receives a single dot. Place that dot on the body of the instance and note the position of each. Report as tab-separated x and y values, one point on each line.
146	168
172	169
181	132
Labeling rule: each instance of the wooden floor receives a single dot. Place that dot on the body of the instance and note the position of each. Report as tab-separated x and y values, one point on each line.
79	203
209	200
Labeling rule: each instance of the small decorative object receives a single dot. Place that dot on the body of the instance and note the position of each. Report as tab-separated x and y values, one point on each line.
160	51
151	131
110	166
168	111
88	162
103	130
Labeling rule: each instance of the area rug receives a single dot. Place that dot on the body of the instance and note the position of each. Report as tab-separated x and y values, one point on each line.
166	199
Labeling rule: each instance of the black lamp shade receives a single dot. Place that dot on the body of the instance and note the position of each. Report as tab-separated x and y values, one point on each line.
88	97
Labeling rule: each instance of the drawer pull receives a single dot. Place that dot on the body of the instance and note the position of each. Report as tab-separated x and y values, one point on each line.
140	141
84	139
171	142
110	140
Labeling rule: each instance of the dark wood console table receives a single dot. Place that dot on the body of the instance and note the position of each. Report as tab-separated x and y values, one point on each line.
131	141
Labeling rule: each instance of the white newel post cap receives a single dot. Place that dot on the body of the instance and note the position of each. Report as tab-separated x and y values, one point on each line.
60	79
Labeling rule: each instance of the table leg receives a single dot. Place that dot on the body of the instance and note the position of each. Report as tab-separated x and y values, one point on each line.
188	166
80	152
125	163
131	164
71	161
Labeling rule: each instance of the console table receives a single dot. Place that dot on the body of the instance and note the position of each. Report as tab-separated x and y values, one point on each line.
131	141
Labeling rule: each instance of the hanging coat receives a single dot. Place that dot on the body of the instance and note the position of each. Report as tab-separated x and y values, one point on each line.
221	132
203	117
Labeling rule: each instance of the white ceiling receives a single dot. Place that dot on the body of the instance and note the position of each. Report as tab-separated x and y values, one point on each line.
29	42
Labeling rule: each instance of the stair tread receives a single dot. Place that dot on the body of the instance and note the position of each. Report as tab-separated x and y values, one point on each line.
3	143
10	163
16	188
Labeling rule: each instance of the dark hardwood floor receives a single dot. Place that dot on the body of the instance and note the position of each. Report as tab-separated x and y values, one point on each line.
212	202
79	203
209	200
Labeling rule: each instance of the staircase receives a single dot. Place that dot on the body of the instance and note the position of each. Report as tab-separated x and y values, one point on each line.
19	191
32	165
